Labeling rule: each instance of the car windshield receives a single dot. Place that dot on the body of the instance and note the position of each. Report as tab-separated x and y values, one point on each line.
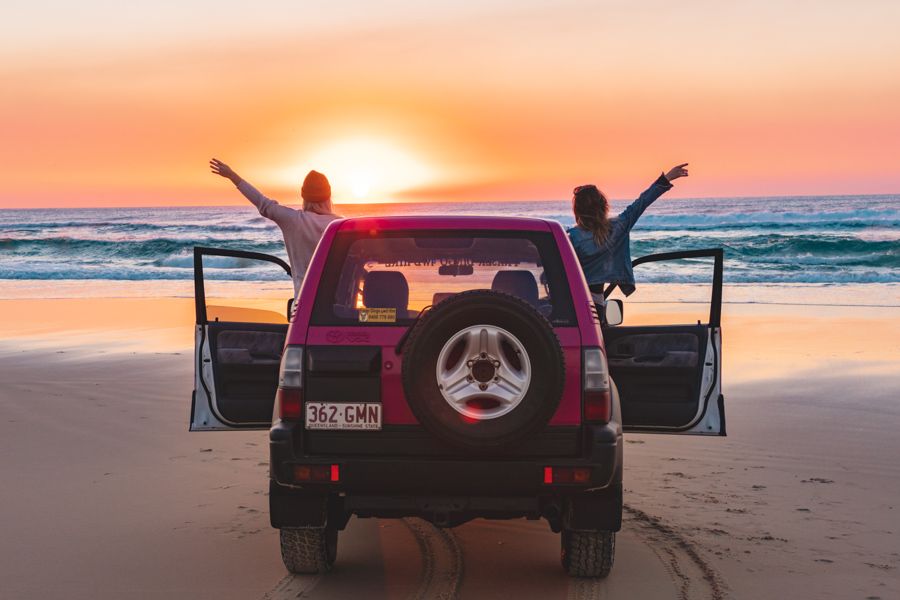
392	278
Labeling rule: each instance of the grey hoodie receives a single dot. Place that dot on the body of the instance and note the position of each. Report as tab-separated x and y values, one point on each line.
301	229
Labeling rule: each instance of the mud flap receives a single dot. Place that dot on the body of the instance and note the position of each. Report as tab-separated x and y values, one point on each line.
290	508
595	511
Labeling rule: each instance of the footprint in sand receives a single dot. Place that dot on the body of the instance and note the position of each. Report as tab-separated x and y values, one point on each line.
881	567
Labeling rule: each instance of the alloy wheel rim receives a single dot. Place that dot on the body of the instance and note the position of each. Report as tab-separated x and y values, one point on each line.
488	375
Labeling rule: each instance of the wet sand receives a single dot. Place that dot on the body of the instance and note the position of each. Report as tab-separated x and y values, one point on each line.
107	495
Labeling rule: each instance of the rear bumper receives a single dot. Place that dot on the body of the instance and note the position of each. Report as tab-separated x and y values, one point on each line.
409	481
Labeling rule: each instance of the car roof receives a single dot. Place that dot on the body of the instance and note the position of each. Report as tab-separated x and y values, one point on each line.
445	222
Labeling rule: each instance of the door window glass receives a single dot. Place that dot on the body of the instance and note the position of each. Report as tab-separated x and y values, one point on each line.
245	290
669	292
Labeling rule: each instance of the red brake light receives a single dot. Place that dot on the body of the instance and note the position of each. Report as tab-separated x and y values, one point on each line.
576	475
597	406
289	404
317	473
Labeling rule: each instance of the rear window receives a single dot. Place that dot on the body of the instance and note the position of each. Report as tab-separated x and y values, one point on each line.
390	278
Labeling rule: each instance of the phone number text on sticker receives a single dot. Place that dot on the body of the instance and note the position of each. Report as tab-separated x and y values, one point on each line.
343	415
377	315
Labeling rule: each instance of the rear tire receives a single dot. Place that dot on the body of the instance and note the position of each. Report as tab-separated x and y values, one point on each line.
309	550
588	553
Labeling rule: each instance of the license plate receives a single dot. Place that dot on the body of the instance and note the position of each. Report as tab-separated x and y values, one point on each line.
343	415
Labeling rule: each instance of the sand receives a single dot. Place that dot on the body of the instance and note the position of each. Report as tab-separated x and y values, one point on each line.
107	495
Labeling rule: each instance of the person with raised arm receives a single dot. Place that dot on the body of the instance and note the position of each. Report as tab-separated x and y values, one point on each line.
603	244
301	228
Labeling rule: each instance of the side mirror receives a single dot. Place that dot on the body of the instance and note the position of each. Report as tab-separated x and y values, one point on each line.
615	312
290	306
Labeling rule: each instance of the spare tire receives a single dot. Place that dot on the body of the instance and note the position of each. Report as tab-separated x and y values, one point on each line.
483	370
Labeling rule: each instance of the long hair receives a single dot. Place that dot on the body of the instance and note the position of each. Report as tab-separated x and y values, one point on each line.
591	210
323	207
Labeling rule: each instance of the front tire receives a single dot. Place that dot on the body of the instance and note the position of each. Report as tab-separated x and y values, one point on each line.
587	553
308	550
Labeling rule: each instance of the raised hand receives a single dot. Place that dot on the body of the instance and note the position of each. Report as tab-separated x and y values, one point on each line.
678	171
220	168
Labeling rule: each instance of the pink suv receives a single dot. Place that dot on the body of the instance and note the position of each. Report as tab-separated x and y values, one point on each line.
452	368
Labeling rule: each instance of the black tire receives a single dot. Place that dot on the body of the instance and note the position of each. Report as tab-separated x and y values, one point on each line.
308	550
587	553
483	307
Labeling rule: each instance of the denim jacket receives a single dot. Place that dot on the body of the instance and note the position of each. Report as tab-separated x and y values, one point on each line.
610	262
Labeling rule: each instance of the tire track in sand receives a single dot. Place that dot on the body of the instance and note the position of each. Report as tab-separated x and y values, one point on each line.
693	576
442	561
292	586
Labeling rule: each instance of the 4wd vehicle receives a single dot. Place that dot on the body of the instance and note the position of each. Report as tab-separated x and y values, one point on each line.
451	368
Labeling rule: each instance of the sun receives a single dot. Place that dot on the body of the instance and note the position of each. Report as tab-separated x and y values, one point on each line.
368	169
360	183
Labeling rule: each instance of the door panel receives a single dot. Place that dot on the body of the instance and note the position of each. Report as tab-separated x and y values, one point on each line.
236	362
657	369
669	376
245	369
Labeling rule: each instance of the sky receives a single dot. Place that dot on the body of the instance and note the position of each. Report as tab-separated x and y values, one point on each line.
123	104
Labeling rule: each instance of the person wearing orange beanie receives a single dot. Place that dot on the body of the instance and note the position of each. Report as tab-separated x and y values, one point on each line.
301	228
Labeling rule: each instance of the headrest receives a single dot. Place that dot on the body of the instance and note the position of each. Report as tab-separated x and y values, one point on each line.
517	283
386	289
440	297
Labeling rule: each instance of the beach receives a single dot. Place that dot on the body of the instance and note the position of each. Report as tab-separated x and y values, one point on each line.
107	495
420	186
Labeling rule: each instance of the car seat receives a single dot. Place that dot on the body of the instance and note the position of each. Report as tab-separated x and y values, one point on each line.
386	289
517	283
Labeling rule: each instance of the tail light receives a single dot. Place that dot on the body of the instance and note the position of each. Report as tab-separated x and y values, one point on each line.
556	475
317	473
595	391
289	397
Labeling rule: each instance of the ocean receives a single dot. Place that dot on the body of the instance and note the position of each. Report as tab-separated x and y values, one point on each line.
824	241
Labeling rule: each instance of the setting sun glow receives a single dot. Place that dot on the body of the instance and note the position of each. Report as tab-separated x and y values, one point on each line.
446	101
363	169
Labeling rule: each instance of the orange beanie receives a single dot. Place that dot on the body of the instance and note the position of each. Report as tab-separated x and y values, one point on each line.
316	188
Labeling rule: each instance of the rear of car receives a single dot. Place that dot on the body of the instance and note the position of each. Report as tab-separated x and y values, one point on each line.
354	420
448	368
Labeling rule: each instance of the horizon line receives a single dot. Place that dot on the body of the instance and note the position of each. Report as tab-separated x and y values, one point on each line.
457	202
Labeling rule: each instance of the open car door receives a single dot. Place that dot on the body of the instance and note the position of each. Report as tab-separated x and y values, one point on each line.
238	341
669	377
